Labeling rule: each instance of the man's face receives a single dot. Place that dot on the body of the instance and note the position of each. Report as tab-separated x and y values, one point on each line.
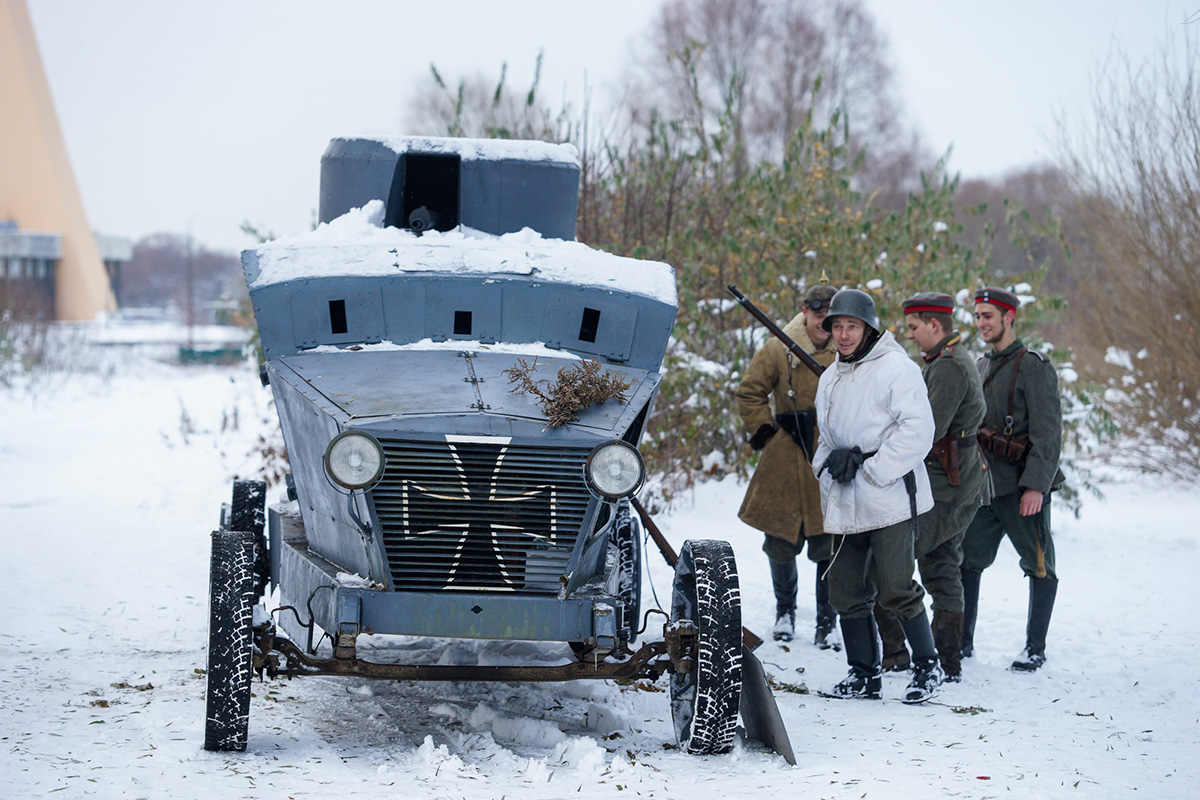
992	321
847	334
812	324
926	334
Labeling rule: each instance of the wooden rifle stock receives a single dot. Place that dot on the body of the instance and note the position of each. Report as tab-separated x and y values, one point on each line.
749	638
776	331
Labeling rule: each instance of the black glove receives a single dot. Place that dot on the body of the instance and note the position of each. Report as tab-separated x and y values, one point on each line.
762	436
843	464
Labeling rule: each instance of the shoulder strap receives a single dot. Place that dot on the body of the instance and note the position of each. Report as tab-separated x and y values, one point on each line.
998	363
1012	387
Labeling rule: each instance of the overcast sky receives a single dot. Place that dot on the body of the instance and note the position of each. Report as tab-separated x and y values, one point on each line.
194	117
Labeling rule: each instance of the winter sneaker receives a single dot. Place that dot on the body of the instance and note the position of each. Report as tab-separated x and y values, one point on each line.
785	627
927	677
1028	662
856	685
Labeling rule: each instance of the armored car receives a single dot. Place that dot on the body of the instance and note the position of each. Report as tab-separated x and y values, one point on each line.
423	345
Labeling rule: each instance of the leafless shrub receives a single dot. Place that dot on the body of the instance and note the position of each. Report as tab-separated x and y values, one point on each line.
1135	173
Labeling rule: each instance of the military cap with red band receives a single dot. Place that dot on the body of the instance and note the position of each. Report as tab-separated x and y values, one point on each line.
929	301
998	297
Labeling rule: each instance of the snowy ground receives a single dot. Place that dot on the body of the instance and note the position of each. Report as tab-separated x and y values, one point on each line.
111	478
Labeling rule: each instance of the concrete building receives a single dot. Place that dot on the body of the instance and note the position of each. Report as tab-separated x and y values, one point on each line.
48	253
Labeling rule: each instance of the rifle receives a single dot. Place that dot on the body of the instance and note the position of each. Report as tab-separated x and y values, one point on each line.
776	331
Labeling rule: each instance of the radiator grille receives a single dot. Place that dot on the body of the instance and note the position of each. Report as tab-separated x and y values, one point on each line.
476	516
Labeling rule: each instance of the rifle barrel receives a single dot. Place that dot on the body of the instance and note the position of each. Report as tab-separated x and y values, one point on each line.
776	331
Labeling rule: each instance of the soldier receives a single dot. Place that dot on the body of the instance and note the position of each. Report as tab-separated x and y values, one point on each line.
876	428
956	474
1021	438
783	500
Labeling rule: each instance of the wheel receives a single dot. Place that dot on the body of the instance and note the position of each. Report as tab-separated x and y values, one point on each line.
626	537
704	701
230	610
248	513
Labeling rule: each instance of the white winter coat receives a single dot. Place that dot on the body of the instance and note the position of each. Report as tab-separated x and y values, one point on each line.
880	404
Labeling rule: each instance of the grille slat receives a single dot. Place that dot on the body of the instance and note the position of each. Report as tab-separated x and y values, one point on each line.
471	516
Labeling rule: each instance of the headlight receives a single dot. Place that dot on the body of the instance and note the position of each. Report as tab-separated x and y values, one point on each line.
614	470
354	459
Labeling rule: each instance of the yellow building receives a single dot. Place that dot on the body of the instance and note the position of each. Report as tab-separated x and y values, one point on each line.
48	253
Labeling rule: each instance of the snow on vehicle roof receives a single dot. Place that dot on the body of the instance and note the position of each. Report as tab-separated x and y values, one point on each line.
357	245
479	149
535	349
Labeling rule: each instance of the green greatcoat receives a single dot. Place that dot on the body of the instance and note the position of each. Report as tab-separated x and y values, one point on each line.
956	396
1036	388
783	493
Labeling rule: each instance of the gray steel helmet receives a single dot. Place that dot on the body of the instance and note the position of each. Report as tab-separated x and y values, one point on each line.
852	303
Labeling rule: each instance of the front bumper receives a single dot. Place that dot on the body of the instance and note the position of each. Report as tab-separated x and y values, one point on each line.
343	605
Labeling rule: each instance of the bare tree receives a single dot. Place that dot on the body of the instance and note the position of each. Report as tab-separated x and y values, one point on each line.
1134	167
168	270
1016	218
478	107
766	65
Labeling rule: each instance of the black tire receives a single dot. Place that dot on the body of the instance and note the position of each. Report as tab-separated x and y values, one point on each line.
230	658
704	701
248	513
626	537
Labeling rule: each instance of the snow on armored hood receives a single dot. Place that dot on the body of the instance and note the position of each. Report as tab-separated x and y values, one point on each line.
482	149
357	244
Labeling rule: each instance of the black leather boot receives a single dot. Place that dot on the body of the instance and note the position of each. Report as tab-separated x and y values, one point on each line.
948	638
970	583
826	616
927	672
1042	592
861	641
785	580
895	652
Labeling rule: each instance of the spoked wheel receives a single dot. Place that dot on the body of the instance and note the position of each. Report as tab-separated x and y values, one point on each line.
230	659
704	700
626	537
248	513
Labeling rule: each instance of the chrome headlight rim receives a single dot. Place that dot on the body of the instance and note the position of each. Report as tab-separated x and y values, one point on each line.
591	460
353	485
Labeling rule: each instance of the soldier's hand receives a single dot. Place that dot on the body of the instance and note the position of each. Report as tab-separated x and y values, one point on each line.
843	463
761	436
1031	502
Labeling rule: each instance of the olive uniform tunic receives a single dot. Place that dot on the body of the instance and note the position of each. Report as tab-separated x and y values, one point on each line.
956	397
1036	419
783	497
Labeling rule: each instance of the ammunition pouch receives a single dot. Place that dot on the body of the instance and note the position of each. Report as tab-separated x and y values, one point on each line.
1003	446
802	427
945	450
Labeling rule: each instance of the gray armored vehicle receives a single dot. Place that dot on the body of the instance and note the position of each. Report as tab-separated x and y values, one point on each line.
429	495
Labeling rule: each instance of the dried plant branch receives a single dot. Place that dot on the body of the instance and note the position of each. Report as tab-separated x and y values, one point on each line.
573	389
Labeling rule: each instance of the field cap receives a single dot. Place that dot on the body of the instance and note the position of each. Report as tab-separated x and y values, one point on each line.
929	301
998	297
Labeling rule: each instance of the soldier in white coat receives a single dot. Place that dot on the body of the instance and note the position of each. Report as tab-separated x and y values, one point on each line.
876	428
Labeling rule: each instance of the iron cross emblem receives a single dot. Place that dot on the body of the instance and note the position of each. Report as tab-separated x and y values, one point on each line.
475	525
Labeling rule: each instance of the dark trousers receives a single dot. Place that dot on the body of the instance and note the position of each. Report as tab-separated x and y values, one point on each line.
941	574
875	567
1003	518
